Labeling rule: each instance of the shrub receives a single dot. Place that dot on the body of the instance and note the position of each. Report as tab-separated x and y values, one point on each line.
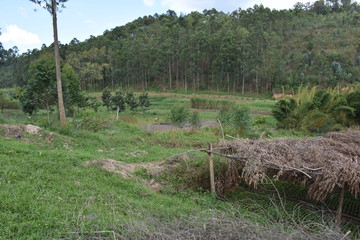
225	116
321	99
318	122
118	101
144	100
195	120
93	103
353	100
284	113
236	120
7	103
131	101
318	110
106	98
179	115
242	120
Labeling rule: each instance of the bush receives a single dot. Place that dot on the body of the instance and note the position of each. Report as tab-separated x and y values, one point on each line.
131	101
106	98
242	120
195	120
93	103
318	122
118	101
7	103
236	120
144	100
353	100
225	116
319	110
179	115
284	113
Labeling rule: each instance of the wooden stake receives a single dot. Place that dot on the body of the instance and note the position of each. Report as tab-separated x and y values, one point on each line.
341	205
212	175
117	113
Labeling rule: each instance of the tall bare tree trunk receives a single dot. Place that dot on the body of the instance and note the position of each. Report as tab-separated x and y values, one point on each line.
57	65
228	81
170	75
243	84
177	74
257	83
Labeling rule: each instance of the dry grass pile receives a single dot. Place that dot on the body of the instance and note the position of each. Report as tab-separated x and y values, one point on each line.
19	130
324	163
227	224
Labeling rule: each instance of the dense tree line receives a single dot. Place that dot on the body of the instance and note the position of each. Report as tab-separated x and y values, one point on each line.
252	50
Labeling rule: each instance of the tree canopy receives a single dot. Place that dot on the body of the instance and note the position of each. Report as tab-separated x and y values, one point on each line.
248	50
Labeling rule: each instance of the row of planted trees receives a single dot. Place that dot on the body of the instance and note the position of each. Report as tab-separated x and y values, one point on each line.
40	92
252	50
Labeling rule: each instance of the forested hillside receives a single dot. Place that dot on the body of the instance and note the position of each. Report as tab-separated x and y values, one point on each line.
253	50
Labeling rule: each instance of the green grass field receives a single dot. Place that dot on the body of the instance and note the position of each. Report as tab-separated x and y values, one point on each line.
47	192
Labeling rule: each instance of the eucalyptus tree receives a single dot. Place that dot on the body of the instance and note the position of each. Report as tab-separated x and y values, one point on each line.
52	7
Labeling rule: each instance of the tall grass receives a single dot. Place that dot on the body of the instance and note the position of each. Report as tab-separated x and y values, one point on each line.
203	103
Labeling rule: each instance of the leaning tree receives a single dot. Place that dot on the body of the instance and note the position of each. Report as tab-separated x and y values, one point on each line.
52	7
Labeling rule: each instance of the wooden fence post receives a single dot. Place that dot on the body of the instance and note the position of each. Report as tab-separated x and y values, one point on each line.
212	175
341	205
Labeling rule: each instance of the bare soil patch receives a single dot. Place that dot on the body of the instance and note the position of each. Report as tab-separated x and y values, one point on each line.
126	170
19	130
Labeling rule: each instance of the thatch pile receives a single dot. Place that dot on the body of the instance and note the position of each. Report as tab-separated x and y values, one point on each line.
324	163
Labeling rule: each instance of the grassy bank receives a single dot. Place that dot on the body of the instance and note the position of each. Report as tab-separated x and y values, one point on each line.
48	193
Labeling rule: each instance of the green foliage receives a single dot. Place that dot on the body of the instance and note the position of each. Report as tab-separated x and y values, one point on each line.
83	199
131	101
106	98
41	90
179	115
7	103
203	103
284	112
118	101
242	120
353	100
321	99
237	52
90	65
318	110
73	96
92	102
195	121
225	116
121	100
144	101
236	120
318	122
260	121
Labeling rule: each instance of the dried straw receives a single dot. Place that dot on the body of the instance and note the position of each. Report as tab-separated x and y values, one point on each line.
323	162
